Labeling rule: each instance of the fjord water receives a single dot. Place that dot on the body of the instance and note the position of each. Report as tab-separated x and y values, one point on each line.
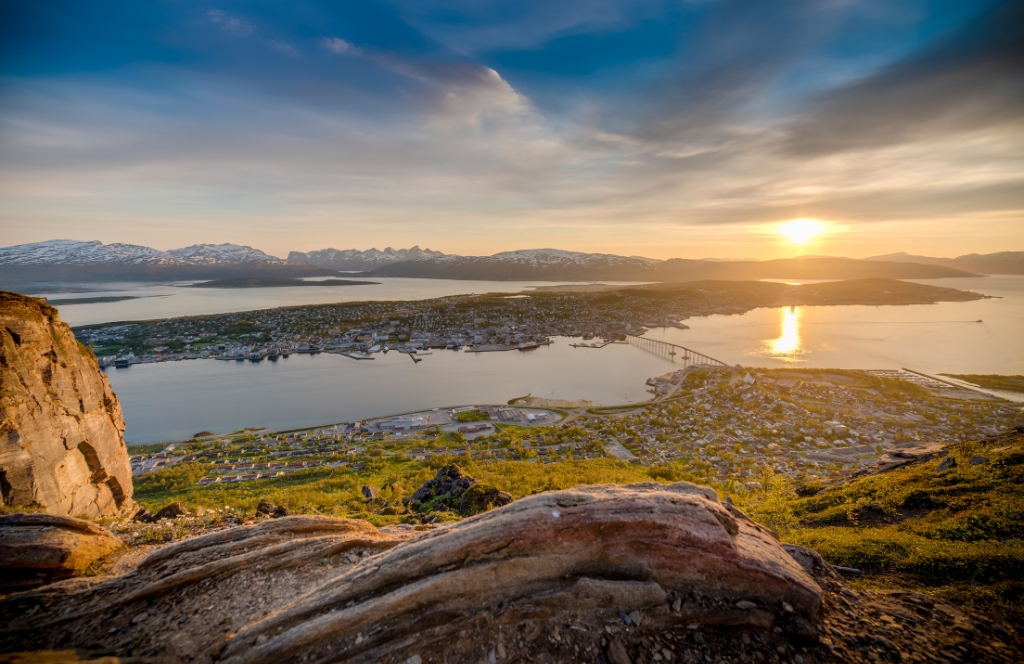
931	338
175	399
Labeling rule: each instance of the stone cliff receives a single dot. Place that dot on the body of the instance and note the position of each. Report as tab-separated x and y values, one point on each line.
62	443
611	574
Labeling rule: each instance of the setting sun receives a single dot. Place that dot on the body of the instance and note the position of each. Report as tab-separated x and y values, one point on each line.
800	231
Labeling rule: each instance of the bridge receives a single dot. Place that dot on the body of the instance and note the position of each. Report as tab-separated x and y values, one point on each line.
674	352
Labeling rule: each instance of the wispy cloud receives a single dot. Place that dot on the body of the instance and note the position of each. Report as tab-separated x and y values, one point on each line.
340	46
230	24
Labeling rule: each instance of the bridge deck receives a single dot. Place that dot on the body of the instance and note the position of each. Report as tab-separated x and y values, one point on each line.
672	352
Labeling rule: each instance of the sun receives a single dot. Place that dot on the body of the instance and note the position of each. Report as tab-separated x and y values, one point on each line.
800	231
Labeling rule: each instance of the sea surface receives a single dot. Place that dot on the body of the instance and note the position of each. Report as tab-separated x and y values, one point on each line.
172	299
979	337
175	399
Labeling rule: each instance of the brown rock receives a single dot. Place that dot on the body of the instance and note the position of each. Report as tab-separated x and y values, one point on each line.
170	511
617	653
583	549
61	431
39	548
268	508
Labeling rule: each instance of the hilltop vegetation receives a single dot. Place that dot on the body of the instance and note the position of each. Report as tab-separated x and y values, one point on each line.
957	533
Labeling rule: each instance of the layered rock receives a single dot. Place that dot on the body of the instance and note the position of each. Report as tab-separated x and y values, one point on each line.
622	574
40	548
62	443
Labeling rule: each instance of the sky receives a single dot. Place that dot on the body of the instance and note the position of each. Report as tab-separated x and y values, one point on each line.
676	128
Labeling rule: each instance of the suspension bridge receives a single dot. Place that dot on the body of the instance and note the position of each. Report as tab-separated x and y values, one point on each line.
674	352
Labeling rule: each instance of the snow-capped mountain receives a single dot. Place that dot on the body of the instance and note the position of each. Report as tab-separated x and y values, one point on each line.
74	252
354	259
213	254
63	252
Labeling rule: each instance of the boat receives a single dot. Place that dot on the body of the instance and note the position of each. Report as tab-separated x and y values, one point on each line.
528	346
122	362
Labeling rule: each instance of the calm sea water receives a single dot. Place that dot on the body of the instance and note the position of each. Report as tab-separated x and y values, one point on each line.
932	338
167	300
175	399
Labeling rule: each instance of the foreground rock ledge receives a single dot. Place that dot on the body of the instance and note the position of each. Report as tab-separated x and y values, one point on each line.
601	573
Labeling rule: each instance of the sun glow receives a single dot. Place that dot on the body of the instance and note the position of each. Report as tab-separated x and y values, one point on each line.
801	231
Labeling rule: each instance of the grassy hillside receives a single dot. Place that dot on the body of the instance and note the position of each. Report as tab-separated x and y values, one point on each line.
957	533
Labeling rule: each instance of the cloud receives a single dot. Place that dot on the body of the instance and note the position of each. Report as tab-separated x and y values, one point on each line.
970	80
340	46
231	24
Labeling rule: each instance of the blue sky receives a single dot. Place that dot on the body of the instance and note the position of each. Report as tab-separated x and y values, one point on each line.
685	128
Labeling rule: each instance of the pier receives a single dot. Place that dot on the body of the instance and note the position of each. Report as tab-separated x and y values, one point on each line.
674	352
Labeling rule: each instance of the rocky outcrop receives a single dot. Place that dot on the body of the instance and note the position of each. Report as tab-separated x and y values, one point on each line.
40	548
61	430
625	574
452	489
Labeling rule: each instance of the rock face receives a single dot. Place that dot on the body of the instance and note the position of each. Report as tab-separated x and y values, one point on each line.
61	430
639	573
39	548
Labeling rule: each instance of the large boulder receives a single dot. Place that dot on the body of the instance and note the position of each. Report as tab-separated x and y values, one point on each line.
62	443
40	548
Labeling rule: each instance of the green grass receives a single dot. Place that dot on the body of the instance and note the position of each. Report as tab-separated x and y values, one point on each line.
472	416
957	534
149	448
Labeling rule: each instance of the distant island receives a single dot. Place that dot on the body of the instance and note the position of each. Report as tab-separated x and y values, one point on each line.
64	302
277	282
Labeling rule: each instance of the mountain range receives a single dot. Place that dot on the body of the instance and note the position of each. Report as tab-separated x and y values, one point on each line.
1001	262
73	260
66	260
354	259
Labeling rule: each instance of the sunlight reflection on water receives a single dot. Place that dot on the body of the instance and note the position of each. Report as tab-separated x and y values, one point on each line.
788	345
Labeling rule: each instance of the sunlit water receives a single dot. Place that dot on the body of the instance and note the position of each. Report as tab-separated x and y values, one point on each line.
175	399
167	300
945	337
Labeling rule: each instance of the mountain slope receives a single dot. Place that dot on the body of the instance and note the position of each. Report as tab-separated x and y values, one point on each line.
1001	262
946	519
552	264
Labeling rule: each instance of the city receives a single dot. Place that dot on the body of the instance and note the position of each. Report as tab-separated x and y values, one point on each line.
725	426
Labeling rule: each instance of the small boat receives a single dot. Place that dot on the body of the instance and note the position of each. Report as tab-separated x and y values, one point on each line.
122	363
